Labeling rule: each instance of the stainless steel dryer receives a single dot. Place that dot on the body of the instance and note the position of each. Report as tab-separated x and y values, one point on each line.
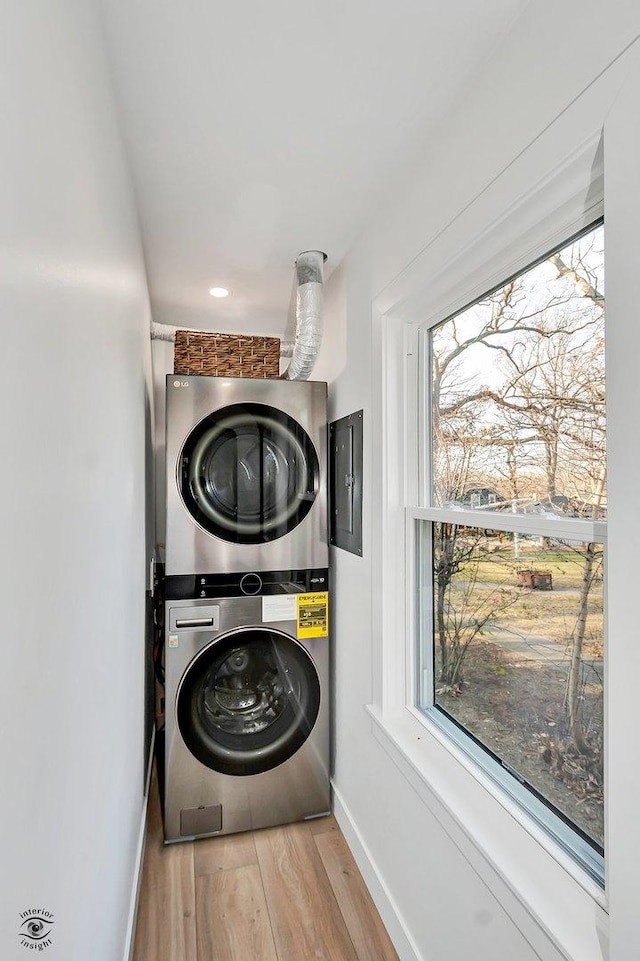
246	475
247	695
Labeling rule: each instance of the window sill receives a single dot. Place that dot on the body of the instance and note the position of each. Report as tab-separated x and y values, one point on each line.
557	906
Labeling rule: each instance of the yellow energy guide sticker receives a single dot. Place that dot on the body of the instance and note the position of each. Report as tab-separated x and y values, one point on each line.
313	615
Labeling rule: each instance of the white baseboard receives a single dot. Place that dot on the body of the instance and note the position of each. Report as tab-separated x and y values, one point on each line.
388	910
137	874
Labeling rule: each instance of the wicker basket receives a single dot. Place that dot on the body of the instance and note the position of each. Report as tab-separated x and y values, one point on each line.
226	355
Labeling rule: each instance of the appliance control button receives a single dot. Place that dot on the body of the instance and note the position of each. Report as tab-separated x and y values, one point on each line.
250	583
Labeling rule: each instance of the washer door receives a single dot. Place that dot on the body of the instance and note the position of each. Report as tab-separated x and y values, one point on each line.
248	701
248	473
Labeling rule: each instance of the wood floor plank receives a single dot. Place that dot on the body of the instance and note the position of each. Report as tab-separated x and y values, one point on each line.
305	918
224	853
161	859
166	923
367	932
232	918
166	920
322	825
290	893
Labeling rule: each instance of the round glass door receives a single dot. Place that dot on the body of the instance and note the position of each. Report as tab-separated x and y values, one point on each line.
248	473
248	701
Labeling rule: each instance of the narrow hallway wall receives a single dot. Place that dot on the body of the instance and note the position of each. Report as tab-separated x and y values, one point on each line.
75	415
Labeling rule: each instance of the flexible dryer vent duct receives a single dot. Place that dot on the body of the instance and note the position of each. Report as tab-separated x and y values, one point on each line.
308	315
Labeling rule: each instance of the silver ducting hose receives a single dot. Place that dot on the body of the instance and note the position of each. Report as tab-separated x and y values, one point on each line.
309	275
164	332
303	353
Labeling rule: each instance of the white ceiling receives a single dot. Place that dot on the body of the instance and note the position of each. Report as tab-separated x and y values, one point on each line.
260	129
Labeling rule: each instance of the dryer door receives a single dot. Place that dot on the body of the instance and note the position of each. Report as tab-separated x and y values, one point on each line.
248	473
248	701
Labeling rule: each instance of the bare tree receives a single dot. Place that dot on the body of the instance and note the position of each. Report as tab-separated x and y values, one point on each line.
462	611
535	421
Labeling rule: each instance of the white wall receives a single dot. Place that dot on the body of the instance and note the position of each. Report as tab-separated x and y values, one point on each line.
440	900
74	410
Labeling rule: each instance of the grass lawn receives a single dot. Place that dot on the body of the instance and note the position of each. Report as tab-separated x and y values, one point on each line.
551	614
512	691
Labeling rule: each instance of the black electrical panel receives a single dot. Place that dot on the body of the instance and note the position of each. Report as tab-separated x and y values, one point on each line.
345	467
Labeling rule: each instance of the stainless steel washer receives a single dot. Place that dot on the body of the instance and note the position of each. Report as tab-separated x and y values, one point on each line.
247	724
246	475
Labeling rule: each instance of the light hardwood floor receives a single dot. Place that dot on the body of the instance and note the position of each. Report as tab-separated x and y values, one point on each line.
290	893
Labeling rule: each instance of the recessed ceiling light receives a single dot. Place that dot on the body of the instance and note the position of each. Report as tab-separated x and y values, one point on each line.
219	292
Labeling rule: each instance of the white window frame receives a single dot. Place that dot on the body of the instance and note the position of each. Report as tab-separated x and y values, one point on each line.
535	222
564	528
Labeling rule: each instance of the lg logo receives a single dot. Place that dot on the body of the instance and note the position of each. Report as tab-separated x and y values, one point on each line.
181	383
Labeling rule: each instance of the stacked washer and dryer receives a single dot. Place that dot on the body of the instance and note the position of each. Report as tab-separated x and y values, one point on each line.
246	605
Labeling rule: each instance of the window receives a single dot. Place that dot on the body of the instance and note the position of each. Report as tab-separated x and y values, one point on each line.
511	542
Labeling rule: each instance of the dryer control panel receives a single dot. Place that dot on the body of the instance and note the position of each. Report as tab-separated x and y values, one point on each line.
185	586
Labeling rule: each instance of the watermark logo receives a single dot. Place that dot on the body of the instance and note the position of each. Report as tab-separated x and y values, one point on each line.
36	926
